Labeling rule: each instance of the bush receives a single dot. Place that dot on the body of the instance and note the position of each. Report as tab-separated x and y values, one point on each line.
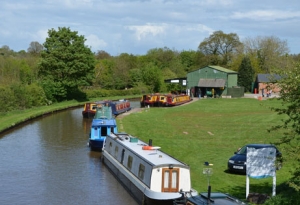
7	102
34	96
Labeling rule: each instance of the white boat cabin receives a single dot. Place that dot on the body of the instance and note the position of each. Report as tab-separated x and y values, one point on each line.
156	174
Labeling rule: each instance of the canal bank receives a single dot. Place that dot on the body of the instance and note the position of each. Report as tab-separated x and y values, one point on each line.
14	118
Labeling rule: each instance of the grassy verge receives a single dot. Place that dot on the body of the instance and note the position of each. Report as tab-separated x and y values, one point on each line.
10	119
211	130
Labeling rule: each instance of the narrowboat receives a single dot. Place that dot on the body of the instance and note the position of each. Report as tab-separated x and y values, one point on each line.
103	124
89	110
214	198
150	175
174	100
164	100
117	107
150	100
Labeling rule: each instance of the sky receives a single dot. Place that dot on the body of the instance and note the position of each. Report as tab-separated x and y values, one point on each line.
136	26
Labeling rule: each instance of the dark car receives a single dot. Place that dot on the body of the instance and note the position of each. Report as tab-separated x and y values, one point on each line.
237	163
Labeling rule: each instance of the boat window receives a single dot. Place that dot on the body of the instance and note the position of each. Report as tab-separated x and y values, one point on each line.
110	146
122	157
129	162
141	171
116	151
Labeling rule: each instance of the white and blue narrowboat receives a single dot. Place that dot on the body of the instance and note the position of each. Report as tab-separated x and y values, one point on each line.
103	124
150	175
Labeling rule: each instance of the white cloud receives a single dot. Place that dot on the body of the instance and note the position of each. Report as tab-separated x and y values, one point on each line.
266	15
142	32
95	43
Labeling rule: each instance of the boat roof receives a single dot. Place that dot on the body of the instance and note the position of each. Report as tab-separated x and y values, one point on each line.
103	112
154	156
216	198
103	122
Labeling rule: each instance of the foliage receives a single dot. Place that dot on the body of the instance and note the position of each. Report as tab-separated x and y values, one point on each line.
289	95
220	47
151	76
35	48
99	93
7	102
245	74
66	63
269	52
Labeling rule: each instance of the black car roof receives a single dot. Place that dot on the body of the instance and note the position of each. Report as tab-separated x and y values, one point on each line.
260	145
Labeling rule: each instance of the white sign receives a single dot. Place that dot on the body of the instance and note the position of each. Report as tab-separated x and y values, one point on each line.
174	81
261	162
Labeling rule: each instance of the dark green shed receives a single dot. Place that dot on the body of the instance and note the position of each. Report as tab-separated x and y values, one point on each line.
211	81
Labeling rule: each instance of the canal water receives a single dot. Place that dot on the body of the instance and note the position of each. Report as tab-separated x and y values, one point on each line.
47	161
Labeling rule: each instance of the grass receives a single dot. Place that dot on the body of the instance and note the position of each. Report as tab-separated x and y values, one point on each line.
211	130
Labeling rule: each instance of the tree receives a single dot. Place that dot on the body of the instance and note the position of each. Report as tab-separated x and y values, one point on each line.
151	75
102	55
289	96
66	63
219	47
246	74
35	48
269	52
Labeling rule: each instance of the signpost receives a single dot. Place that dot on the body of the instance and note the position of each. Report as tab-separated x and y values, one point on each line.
208	172
261	164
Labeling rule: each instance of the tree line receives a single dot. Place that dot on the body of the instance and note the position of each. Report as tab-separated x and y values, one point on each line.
63	68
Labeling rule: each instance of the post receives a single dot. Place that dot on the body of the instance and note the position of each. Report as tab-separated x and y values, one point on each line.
247	186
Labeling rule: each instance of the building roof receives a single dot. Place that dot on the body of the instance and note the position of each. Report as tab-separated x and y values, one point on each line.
213	83
219	68
267	78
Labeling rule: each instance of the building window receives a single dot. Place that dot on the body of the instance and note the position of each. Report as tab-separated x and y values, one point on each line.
141	171
129	162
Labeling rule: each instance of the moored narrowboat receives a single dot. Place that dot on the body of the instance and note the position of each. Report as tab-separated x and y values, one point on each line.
89	110
164	100
103	124
150	100
174	100
117	107
150	175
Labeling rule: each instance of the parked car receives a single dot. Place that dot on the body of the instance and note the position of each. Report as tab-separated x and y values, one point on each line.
237	163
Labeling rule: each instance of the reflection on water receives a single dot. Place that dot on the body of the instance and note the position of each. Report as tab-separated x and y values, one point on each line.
47	161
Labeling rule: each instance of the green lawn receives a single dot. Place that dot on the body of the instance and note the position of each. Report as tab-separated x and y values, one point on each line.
211	130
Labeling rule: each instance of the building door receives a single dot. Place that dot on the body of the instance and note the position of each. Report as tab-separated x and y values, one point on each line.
170	182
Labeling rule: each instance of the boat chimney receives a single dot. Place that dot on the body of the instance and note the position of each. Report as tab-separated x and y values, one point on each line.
150	142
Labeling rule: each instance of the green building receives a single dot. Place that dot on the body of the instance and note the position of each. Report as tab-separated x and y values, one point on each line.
213	81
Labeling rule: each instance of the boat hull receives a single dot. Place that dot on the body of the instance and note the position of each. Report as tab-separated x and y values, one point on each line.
133	189
97	144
